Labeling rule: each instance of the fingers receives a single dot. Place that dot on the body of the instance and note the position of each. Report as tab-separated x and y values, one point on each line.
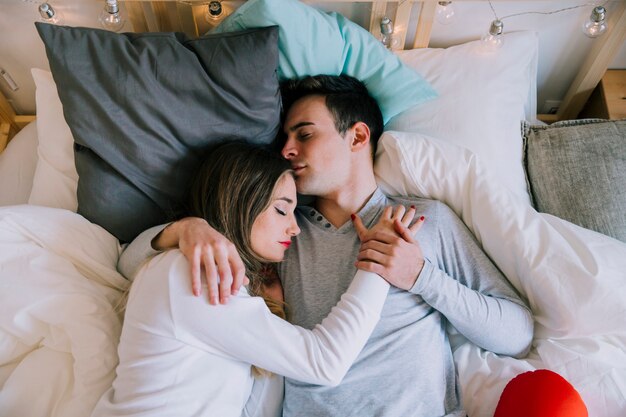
387	212
382	235
407	233
225	273
239	273
226	276
375	251
369	266
404	232
399	211
195	272
375	245
211	275
361	230
417	225
408	216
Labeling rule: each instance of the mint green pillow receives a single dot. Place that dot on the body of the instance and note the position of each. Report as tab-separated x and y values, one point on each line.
312	42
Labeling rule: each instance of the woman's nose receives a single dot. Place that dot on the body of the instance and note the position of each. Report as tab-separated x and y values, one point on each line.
293	230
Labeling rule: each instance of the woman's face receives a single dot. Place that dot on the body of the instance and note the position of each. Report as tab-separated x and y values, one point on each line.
273	228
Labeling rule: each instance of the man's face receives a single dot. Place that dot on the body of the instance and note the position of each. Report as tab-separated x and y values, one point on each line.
319	155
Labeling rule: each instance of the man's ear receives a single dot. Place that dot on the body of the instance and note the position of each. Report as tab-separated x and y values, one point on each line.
361	137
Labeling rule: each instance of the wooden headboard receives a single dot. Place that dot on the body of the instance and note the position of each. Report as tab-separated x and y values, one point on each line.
188	16
10	123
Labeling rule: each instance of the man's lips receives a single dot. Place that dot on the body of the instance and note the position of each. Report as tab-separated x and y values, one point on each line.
286	244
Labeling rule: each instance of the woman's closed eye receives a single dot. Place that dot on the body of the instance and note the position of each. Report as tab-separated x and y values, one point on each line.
281	212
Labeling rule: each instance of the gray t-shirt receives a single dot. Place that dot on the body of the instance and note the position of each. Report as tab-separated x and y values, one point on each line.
406	368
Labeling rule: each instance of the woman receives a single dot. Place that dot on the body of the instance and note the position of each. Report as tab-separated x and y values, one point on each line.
180	356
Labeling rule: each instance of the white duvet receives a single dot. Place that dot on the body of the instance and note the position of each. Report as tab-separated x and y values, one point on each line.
58	326
59	287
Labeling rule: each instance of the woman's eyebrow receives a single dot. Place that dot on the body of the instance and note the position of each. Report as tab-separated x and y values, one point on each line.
287	199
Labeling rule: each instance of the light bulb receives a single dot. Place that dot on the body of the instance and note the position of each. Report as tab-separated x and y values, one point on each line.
596	24
387	36
49	15
214	11
110	17
445	13
492	40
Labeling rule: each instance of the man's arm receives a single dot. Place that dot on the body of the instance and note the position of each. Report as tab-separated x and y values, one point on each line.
138	251
463	284
202	245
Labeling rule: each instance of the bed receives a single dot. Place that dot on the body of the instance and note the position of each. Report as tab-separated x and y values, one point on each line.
471	140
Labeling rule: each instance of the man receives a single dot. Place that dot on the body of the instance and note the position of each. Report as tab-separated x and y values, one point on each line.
406	368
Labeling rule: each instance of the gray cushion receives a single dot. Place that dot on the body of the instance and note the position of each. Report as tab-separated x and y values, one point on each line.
143	107
577	171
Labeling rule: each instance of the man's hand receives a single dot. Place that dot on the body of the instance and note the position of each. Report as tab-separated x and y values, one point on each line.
389	249
203	246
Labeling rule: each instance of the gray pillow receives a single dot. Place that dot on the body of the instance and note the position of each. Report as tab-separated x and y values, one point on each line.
143	107
576	170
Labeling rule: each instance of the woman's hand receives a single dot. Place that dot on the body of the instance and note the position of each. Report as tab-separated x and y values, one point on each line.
203	246
389	249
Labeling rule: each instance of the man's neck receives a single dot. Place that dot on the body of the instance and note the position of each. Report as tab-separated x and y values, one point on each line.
337	207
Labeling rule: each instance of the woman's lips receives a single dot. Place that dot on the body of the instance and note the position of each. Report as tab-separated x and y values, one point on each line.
286	244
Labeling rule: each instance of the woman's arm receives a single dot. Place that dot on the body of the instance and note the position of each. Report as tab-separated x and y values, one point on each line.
245	330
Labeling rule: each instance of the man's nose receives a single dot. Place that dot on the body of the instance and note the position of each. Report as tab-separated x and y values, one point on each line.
289	150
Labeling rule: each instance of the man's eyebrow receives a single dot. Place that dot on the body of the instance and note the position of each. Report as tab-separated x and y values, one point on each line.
299	125
287	199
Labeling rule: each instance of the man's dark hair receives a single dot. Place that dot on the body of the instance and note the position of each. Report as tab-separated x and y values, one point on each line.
347	100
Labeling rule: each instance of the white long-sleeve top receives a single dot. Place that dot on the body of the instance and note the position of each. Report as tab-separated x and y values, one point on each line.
180	356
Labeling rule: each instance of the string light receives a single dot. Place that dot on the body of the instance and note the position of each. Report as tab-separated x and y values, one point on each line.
492	40
445	13
214	11
596	24
387	36
110	17
49	15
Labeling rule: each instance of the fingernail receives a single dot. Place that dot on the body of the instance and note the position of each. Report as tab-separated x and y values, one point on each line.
196	292
422	218
234	292
352	216
213	300
412	206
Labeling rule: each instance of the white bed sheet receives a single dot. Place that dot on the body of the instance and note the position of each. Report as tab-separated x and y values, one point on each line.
58	286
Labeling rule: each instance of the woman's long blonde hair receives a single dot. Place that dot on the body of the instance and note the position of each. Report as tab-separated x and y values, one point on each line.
234	185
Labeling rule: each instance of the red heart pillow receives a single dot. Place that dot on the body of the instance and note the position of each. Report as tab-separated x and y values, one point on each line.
540	393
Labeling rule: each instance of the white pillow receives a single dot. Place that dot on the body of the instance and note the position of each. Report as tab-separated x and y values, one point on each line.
17	166
571	277
56	180
483	97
